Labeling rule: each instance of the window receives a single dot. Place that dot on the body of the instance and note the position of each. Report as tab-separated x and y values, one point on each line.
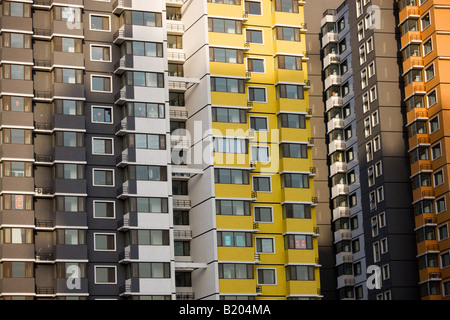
102	146
300	273
235	271
351	177
429	73
101	83
174	41
376	251
298	241
16	236
263	214
364	79
70	237
292	120
265	245
100	53
427	47
365	102
259	124
252	7
180	187
360	30
16	269
69	171
362	54
255	65
424	206
231	176
293	150
262	184
227	85
234	239
371	69
145	141
436	151
143	79
295	180
289	62
13	103
233	207
376	143
266	276
99	23
105	275
445	260
141	48
434	124
16	72
373	94
369	151
386	273
180	218
257	94
230	145
146	205
103	177
442	232
260	154
372	201
16	40
102	114
287	33
224	25
144	110
352	200
16	9
369	45
17	169
425	21
16	136
289	91
438	178
226	55
69	107
432	98
69	204
231	115
296	211
370	176
426	233
104	209
145	173
235	2
104	242
254	36
286	6
144	270
382	218
140	18
384	245
66	14
147	237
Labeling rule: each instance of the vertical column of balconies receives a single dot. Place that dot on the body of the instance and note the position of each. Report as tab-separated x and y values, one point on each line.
343	152
60	156
145	156
17	182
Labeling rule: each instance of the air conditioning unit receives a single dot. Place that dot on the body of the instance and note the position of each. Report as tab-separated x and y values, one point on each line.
39	190
429	221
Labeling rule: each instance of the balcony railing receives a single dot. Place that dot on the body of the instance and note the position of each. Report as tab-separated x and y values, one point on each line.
182	234
185	296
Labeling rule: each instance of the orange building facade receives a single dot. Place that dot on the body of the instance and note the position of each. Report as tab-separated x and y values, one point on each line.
425	48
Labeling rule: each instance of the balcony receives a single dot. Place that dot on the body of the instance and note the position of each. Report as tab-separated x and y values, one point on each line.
329	37
336	145
333	102
341	212
342	234
120	5
175	27
335	123
331	58
332	80
181	204
338	167
416	114
339	190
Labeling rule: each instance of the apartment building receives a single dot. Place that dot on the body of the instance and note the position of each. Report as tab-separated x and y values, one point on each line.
369	175
424	51
156	151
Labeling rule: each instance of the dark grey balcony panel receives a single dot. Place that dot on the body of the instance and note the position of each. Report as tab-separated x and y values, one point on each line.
61	286
76	219
71	252
13	118
68	90
18	151
62	27
62	58
17	54
69	122
70	153
69	186
18	184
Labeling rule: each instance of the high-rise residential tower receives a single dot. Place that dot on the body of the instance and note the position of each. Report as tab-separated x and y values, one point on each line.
156	150
424	49
368	154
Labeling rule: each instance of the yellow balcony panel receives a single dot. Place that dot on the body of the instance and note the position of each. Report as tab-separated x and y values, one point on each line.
221	10
302	287
286	46
293	134
297	194
226	39
300	256
289	18
224	69
224	190
234	222
237	286
273	196
295	105
299	225
230	99
293	164
231	129
286	75
236	253
231	159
